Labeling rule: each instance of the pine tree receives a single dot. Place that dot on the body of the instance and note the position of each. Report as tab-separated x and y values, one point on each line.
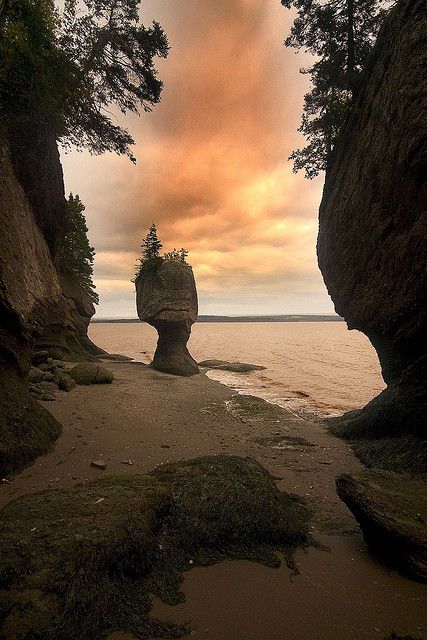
151	244
340	34
76	255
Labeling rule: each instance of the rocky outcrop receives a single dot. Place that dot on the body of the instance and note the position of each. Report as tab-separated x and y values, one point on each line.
166	298
235	367
392	512
65	336
36	162
372	246
29	291
38	309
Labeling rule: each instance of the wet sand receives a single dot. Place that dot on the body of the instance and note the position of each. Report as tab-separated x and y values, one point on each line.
149	418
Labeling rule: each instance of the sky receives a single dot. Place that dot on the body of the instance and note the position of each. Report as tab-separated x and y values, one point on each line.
212	167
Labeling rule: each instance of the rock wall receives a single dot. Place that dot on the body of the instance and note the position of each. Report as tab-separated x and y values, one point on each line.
29	289
38	308
372	247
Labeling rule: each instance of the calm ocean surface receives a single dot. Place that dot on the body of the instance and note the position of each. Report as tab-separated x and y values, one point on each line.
314	367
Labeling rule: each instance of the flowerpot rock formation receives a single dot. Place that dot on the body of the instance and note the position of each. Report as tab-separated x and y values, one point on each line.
166	298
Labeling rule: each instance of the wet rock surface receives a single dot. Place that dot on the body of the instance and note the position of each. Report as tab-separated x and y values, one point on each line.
392	512
166	298
236	367
87	373
98	552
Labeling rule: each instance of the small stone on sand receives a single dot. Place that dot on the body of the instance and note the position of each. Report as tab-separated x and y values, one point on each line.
98	464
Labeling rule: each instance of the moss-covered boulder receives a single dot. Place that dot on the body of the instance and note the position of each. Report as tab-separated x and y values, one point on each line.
80	562
87	373
392	512
27	430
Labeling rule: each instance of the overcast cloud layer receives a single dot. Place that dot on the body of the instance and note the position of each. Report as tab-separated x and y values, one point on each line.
212	168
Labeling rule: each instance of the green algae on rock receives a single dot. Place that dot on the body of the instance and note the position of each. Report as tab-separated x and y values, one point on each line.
392	512
87	373
235	367
86	560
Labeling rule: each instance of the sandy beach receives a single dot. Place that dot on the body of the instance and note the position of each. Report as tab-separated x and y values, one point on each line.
146	418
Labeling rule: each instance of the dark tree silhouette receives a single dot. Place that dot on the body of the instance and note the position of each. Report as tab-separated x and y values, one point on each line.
76	255
340	34
69	69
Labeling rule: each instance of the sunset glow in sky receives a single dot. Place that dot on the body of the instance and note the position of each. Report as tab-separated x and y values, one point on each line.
212	169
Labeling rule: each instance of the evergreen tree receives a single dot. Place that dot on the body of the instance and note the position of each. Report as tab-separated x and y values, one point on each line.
151	244
340	34
76	255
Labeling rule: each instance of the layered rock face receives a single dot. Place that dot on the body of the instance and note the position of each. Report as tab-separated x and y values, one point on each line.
29	290
372	244
166	298
38	308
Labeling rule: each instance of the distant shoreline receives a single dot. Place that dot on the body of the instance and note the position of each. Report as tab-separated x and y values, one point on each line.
206	318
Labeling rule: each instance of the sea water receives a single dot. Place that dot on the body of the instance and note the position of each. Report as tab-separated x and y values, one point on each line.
311	367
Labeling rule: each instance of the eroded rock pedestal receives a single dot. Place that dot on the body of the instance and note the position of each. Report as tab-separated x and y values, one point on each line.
166	298
372	245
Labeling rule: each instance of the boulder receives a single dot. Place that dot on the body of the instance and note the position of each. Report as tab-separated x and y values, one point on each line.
65	382
236	367
392	512
372	248
87	373
166	298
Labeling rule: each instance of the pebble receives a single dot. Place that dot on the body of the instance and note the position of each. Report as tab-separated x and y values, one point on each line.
98	464
129	462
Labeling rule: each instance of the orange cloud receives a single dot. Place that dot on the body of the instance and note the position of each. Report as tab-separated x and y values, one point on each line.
212	169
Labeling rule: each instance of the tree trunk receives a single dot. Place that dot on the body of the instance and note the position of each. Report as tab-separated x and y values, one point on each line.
351	56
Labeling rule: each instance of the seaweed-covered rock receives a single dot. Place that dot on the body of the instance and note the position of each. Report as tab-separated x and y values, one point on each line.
85	566
372	246
392	512
27	430
166	298
236	367
87	373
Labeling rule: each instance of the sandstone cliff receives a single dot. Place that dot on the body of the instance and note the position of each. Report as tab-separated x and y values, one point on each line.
29	290
39	306
372	246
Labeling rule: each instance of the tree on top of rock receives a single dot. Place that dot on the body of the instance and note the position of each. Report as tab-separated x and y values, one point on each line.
340	34
151	247
151	244
76	255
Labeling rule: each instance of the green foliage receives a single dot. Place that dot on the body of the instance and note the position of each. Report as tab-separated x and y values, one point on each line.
340	34
77	255
70	68
151	257
177	254
151	244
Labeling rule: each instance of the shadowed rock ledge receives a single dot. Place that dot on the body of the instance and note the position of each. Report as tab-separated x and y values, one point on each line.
392	512
372	246
166	298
